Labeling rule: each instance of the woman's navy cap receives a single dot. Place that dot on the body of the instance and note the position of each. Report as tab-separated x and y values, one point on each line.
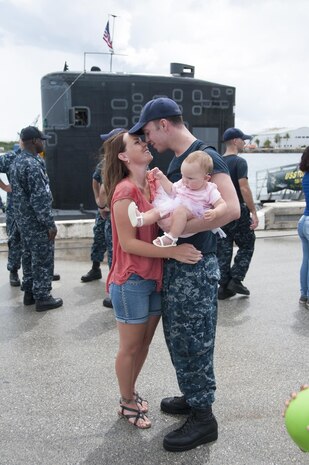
112	133
234	133
158	108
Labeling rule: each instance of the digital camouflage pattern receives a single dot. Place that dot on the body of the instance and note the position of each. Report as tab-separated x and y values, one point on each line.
189	313
32	204
102	230
14	239
237	231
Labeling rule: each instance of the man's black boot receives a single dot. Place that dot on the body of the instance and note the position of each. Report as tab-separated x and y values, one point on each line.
237	286
28	298
48	303
107	302
175	405
56	277
14	278
224	293
201	427
94	273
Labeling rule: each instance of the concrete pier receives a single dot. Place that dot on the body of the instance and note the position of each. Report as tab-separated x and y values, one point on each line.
58	390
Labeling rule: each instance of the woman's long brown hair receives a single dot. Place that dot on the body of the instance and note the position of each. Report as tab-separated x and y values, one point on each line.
114	170
304	162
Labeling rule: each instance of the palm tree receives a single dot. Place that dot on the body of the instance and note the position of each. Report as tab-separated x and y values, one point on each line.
277	139
267	144
257	141
287	137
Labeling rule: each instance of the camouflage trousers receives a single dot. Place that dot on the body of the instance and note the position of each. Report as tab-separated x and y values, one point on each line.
239	232
102	239
14	242
38	264
189	315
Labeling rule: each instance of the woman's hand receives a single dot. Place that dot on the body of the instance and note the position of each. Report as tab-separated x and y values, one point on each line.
186	253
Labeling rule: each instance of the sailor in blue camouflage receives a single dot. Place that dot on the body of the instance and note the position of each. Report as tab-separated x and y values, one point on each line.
240	233
189	305
108	238
98	247
32	205
14	240
189	323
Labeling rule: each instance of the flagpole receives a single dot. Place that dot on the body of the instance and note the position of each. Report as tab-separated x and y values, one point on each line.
112	51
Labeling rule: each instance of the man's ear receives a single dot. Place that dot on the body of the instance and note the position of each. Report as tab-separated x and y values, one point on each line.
164	123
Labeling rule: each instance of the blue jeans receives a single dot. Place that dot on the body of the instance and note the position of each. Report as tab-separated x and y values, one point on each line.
303	232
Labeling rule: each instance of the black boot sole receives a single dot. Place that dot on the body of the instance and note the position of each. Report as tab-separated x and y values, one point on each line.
48	307
178	448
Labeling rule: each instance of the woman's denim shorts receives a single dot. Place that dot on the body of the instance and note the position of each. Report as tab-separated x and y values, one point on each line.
135	300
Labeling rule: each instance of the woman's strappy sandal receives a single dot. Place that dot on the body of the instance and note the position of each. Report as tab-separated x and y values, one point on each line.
143	403
134	413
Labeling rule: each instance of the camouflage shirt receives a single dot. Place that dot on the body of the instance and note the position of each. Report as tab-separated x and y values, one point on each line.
6	161
32	198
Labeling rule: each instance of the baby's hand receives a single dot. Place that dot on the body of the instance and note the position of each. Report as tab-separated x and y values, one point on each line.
210	215
158	174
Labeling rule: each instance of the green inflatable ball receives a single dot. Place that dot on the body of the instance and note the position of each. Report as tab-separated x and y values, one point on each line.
297	420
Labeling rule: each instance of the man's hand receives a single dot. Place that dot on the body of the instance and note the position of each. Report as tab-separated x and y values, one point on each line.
52	233
255	221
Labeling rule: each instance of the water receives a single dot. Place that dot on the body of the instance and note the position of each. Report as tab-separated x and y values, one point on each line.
256	162
263	161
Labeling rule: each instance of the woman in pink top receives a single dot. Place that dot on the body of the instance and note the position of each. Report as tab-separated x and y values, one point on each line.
134	280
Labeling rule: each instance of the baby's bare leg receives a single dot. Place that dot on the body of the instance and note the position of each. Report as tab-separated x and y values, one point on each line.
151	216
179	219
139	219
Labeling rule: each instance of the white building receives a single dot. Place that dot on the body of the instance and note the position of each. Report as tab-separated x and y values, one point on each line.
283	138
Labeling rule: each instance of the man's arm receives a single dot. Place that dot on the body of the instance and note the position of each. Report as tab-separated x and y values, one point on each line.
228	193
248	199
96	191
102	202
5	187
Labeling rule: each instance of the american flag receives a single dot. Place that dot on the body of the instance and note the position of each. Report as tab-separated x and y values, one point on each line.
107	36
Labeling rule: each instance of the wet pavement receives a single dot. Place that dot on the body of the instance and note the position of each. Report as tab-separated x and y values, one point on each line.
58	391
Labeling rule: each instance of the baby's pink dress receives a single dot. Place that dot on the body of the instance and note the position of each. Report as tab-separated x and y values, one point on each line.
196	201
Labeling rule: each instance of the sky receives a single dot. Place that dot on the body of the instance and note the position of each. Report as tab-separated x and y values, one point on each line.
260	47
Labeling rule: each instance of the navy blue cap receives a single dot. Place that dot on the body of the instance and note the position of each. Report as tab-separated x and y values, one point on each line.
32	132
234	133
157	108
112	133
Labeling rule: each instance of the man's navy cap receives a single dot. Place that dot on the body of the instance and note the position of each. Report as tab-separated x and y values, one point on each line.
157	108
112	133
31	132
234	133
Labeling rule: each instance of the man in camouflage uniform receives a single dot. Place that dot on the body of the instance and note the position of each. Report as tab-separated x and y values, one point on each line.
14	240
241	231
102	230
98	247
32	201
189	298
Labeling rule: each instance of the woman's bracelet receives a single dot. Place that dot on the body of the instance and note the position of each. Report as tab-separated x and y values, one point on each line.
102	208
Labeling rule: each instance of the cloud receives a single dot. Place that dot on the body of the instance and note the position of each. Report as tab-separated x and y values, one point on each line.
258	47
